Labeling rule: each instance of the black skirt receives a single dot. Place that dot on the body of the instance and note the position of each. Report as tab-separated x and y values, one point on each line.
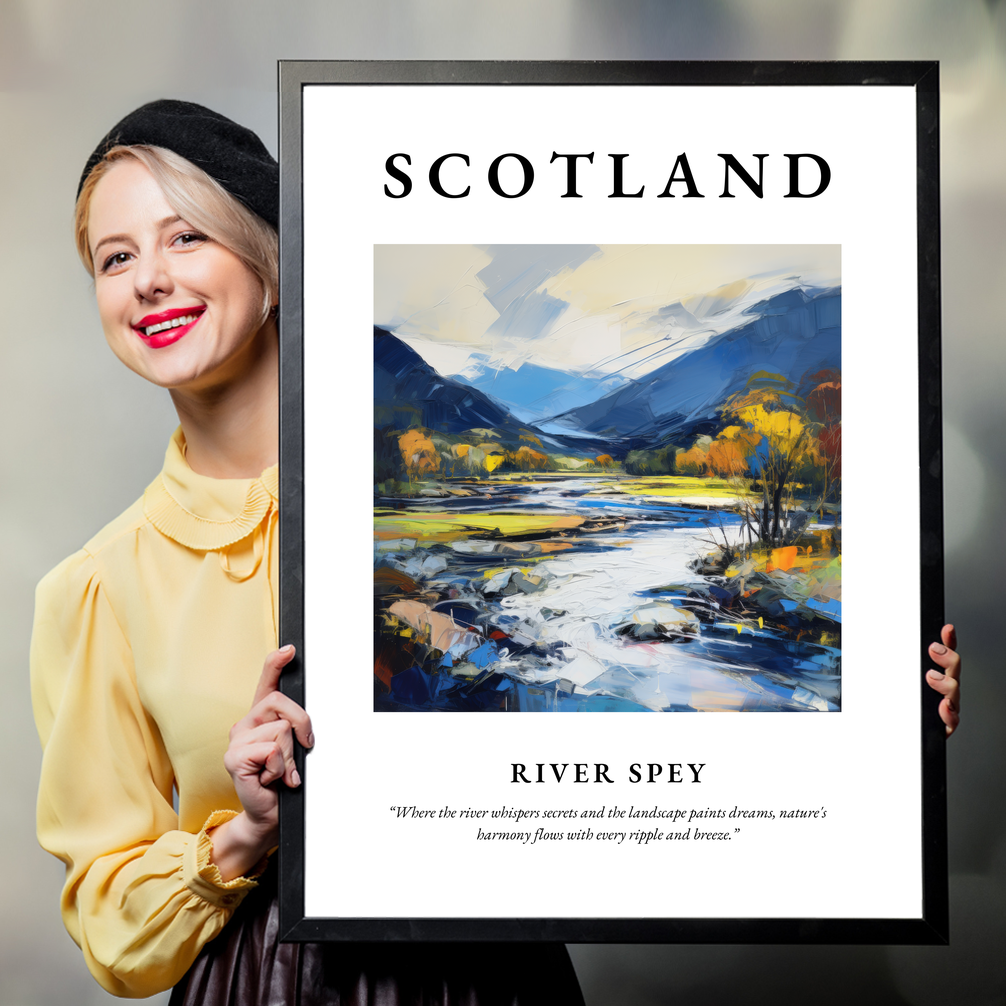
246	965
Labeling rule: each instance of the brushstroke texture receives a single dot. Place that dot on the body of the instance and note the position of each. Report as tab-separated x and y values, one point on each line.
672	543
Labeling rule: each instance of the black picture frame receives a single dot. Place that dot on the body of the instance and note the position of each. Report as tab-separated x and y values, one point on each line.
932	926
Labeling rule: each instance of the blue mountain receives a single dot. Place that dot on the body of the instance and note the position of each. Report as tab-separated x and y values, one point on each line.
407	388
797	334
533	393
408	391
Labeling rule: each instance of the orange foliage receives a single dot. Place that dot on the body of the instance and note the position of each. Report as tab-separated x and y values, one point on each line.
605	460
782	558
418	453
692	461
528	459
726	459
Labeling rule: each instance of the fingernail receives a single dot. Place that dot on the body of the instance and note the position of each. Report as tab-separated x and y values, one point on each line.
295	777
310	740
938	648
287	649
937	675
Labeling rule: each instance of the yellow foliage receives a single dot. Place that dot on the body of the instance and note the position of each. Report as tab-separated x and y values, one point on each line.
745	438
781	426
493	461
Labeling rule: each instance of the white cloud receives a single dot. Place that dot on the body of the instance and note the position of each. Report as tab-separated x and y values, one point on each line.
628	309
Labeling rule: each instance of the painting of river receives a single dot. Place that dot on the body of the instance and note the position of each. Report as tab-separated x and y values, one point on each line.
607	478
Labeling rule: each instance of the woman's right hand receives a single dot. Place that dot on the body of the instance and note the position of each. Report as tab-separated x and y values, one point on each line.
259	754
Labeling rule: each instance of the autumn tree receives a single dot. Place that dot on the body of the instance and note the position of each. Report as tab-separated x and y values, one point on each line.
419	454
694	461
824	406
772	420
526	459
727	458
784	439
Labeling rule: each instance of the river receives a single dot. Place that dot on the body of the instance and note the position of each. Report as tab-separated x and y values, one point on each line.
615	619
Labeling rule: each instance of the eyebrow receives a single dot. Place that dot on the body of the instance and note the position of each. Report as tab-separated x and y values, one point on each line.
160	225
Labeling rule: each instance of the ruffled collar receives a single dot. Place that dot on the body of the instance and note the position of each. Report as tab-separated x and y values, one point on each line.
203	513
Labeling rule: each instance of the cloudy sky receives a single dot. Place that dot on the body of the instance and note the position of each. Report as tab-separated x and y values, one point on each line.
597	315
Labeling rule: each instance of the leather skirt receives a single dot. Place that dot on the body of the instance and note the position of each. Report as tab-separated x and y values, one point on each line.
246	965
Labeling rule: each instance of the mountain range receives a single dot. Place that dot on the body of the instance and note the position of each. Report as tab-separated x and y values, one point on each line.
407	388
796	333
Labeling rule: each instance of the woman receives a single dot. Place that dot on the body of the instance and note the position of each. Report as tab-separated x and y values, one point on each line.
149	643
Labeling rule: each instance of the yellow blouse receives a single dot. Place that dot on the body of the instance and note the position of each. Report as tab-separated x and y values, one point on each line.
147	647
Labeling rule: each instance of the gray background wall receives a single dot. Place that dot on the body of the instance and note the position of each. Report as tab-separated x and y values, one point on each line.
82	436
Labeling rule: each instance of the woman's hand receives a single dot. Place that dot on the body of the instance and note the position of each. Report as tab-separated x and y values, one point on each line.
260	753
947	682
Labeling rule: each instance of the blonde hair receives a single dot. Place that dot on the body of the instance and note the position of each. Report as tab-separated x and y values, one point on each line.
199	200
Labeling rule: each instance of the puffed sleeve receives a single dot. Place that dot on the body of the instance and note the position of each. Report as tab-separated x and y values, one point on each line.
141	898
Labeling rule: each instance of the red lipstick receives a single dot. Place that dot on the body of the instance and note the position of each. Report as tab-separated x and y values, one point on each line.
165	333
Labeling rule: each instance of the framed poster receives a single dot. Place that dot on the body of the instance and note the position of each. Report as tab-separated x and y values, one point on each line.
644	361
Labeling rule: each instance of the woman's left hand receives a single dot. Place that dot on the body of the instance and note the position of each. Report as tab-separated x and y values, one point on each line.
948	681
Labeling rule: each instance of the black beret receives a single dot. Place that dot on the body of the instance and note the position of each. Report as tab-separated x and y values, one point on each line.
231	154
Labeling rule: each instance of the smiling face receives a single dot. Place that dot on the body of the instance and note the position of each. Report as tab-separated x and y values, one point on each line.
177	307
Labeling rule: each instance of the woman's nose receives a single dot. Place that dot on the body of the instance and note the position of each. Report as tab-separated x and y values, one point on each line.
152	277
